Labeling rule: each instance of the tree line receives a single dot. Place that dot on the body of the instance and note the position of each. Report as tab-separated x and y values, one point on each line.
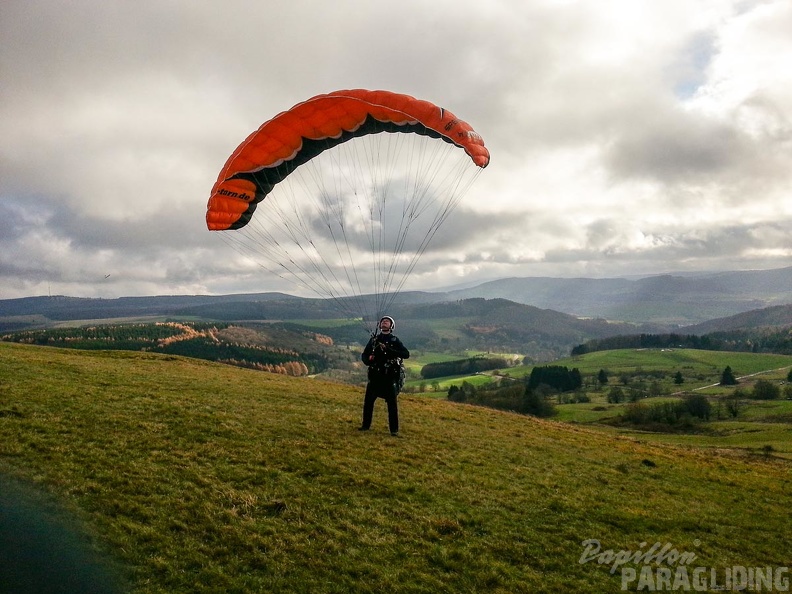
513	396
557	377
750	341
648	341
251	356
194	339
105	336
462	367
530	395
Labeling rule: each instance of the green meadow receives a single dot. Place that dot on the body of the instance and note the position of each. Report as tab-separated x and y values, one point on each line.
197	477
761	426
698	367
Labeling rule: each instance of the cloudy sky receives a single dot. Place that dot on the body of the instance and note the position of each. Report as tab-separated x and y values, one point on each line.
627	137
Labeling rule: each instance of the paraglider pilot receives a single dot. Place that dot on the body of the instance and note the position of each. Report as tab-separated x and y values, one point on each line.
382	356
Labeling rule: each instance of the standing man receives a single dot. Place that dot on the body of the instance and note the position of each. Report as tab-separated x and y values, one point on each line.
383	355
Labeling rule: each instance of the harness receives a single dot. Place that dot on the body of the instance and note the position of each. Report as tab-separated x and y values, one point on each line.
392	369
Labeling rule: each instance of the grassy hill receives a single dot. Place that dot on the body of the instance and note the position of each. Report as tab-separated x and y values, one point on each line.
198	477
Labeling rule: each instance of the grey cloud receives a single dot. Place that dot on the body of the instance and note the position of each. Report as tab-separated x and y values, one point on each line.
671	149
174	226
675	245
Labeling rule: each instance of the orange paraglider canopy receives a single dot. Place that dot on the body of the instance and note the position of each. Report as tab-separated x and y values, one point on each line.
294	137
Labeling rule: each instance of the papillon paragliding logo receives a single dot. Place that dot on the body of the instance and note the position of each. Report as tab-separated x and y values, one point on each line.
348	190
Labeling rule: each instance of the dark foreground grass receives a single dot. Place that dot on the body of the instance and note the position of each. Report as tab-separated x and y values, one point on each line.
205	478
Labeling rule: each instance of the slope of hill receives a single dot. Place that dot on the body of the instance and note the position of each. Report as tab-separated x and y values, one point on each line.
505	326
204	478
60	308
768	317
477	323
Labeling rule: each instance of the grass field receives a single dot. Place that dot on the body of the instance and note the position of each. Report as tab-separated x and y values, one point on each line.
197	477
699	367
761	426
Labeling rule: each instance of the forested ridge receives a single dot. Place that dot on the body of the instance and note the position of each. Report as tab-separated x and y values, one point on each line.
210	341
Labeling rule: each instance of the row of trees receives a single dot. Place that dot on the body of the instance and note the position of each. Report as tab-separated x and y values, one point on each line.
462	367
648	341
293	368
513	396
256	357
752	341
531	395
107	336
685	412
557	377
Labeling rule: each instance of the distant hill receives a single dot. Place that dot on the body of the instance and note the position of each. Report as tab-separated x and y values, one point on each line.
486	324
670	301
496	325
502	325
767	330
778	316
667	299
42	311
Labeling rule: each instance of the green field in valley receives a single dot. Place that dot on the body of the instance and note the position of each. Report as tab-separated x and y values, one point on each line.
761	426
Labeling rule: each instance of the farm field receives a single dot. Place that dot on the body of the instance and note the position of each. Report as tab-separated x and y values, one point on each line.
699	369
762	426
697	366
